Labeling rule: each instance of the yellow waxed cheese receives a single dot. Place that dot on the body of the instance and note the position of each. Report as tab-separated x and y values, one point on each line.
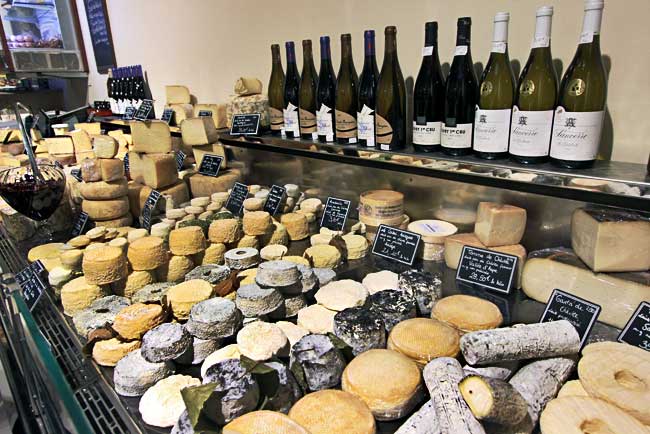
151	137
153	170
187	241
499	225
104	265
199	131
147	253
99	210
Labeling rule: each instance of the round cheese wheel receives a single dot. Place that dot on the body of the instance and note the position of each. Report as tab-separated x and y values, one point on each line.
99	210
256	222
316	319
275	235
104	190
313	205
423	340
467	313
133	283
147	253
187	241
333	411
342	294
200	201
432	231
356	245
175	270
396	394
296	259
111	351
136	234
80	241
104	265
261	340
162	404
78	294
381	204
248	241
323	256
213	254
71	259
379	281
225	231
292	331
264	421
44	251
133	321
273	252
296	224
183	296
125	220
253	204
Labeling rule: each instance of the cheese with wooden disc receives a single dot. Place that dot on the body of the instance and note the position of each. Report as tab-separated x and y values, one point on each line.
381	204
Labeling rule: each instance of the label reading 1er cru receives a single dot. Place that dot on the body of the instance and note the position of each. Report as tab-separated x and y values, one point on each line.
578	311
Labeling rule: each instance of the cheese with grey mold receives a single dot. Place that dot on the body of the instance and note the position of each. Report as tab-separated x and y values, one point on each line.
321	362
393	306
133	375
165	342
254	301
360	328
425	288
214	318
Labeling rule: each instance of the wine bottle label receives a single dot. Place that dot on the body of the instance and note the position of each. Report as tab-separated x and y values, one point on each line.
277	119
366	125
460	50
491	130
586	37
324	123
457	137
576	135
499	47
540	42
384	131
530	132
307	122
346	126
291	124
427	51
426	133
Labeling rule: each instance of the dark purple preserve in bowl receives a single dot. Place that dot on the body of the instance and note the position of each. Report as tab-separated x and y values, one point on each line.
36	198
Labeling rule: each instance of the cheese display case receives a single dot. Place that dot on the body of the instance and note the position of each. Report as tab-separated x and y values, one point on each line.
311	308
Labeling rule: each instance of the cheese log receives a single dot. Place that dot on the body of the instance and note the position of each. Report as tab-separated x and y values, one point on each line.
218	113
151	137
99	210
611	240
214	148
153	170
199	131
104	146
201	185
454	249
181	112
177	94
111	169
499	225
61	145
104	265
104	190
618	294
248	104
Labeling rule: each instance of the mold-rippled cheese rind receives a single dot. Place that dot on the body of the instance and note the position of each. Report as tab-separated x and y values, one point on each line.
316	319
188	240
424	339
256	222
215	318
133	375
78	294
175	270
166	341
323	256
352	414
261	341
104	265
183	296
467	313
147	253
133	321
296	224
225	231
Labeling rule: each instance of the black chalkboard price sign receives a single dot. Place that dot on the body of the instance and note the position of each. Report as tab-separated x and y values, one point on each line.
396	244
79	225
487	268
578	311
100	34
148	208
76	174
335	214
126	166
144	110
637	329
275	199
238	195
129	113
207	113
180	159
247	124
210	165
167	116
30	280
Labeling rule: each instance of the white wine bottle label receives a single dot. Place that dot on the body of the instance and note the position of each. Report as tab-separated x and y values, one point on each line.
460	50
427	51
307	122
384	132
576	135
291	124
346	126
366	125
427	133
277	119
325	123
540	42
458	137
499	47
530	132
491	130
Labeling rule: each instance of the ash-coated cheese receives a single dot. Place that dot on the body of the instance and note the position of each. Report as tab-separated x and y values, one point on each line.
499	225
213	254
360	328
133	321
151	137
323	256
324	275
203	185
424	339
242	258
225	231
104	265
165	342
292	305
379	281
296	225
198	351
101	190
308	279
111	169
187	241
133	375
217	275
261	341
99	210
147	253
342	294
215	318
352	414
424	287
266	421
104	146
183	296
152	293
135	281
111	351
393	306
153	170
467	313
100	313
199	131
321	362
316	319
254	301
256	222
177	94
228	352
176	269
162	404
611	240
277	274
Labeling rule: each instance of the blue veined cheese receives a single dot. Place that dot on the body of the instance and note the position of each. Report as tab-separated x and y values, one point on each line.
246	105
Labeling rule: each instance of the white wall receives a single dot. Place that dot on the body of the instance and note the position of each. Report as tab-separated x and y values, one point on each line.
207	44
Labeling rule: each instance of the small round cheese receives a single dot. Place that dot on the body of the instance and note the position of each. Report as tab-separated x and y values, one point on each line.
183	296
96	233
342	294
72	259
200	201
217	275
261	341
393	306
296	224
228	352
296	259
59	276
162	404
432	231
133	283
264	421
215	318
399	390
175	270
225	231
80	241
273	252
247	277
212	255
187	241
133	375
293	332
255	301
99	210
175	214
467	313
277	273
78	294
323	256
320	239
379	281
425	287
320	361
161	230
99	314
136	234
132	322
256	222
102	190
316	319
220	196
277	234
147	253
241	258
248	241
120	243
111	351
313	205
360	328
194	210
253	204
356	245
333	411
167	341
152	293
424	339
104	265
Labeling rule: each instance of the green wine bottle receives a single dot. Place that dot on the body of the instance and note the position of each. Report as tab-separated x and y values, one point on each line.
346	95
308	85
581	105
291	94
532	113
326	94
276	92
496	97
367	92
390	119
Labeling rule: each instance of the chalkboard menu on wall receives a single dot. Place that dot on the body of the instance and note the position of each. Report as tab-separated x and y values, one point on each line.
100	34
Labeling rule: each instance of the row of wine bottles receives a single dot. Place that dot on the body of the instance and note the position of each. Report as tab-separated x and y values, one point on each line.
528	119
125	86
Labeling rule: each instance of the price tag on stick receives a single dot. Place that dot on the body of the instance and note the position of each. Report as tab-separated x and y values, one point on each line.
129	113
207	113
487	268
637	329
275	199
79	225
167	116
396	244
180	159
210	165
148	208
335	214
144	110
578	311
238	195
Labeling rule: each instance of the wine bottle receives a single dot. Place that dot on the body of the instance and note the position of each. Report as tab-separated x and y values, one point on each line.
367	92
308	86
461	95
291	94
532	113
429	95
390	120
581	104
276	92
326	95
496	97
346	95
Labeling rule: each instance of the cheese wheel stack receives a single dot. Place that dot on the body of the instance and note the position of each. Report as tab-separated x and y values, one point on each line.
382	207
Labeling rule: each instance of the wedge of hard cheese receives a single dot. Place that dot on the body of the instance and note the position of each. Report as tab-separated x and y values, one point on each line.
218	113
199	131
151	137
618	294
215	149
177	94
